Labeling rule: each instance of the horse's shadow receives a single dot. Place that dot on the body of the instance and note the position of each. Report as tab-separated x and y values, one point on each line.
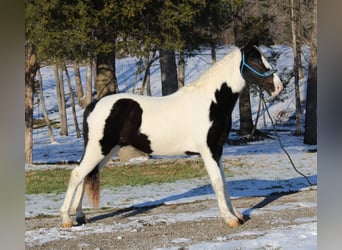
271	190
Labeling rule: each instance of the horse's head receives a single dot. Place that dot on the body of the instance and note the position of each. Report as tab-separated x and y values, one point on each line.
255	69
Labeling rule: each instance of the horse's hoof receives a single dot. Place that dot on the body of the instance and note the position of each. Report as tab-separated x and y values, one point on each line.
82	220
234	223
67	224
241	218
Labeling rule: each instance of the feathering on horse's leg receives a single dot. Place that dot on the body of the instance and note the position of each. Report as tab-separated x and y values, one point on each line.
220	187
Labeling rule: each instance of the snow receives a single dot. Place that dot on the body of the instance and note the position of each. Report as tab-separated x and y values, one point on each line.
298	237
264	169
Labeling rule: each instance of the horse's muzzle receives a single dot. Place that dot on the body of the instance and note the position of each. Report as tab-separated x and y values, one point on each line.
278	86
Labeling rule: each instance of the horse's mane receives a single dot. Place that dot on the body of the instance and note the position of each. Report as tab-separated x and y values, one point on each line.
225	70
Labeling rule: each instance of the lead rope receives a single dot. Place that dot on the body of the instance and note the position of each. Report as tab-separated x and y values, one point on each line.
280	142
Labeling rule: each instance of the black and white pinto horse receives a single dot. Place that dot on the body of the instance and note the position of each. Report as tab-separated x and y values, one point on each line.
194	120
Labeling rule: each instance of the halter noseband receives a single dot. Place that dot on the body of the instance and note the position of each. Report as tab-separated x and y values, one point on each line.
244	64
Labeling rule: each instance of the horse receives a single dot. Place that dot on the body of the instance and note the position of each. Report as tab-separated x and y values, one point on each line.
196	119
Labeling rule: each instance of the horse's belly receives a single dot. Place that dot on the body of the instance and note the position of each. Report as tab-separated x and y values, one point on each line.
167	145
174	148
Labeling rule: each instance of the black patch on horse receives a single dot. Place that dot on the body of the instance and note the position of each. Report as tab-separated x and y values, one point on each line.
122	127
191	153
220	115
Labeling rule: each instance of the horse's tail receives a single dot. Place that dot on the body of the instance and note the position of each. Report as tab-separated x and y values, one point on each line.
92	182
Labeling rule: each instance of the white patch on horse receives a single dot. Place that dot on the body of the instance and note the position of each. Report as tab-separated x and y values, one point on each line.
265	62
182	123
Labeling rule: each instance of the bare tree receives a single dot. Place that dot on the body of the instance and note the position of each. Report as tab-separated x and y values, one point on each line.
87	98
78	82
181	69
42	101
71	93
147	77
31	67
58	72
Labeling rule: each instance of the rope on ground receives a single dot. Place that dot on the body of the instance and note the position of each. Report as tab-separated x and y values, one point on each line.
280	142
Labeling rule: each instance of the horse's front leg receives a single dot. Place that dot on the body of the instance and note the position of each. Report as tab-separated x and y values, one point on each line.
231	215
227	195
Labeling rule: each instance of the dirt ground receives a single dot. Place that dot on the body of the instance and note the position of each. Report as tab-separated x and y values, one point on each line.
180	233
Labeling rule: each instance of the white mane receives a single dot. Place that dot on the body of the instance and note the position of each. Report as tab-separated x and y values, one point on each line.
225	70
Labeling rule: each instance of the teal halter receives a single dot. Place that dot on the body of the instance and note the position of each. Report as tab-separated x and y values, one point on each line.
244	64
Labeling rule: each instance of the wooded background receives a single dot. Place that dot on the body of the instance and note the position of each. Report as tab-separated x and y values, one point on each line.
96	32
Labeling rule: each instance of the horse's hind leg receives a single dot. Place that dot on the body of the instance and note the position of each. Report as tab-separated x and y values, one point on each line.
91	158
77	203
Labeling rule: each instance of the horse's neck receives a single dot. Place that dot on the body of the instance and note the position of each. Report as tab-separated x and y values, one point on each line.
226	70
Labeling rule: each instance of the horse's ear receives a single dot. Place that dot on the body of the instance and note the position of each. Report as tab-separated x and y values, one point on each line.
250	46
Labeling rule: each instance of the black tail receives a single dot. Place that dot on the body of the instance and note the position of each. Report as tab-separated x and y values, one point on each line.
92	180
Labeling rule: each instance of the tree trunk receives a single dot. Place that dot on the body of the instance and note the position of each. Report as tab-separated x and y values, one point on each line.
237	27
168	69
78	132
147	77
213	54
87	98
310	133
181	69
78	83
31	67
58	71
105	75
246	122
42	101
297	58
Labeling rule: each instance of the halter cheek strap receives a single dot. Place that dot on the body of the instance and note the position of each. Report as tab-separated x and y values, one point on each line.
244	64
